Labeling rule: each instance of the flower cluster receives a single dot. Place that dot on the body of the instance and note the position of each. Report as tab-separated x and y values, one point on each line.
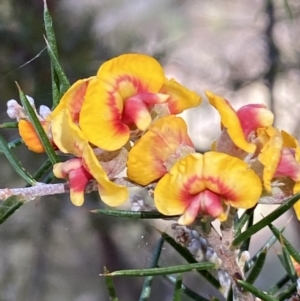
124	119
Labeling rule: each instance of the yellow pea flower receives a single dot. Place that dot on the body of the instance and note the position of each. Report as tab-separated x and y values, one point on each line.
204	184
165	142
241	125
70	139
121	97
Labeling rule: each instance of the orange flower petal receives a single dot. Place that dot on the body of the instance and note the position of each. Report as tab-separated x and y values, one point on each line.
72	100
181	98
231	122
165	142
30	137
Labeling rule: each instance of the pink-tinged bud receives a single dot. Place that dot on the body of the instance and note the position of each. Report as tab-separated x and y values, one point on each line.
77	175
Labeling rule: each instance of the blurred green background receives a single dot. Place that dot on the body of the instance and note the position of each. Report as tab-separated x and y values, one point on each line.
247	51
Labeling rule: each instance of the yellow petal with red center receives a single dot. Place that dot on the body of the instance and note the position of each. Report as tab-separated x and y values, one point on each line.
166	140
181	98
183	191
231	178
143	67
78	178
231	122
254	116
176	190
270	155
66	135
30	136
110	193
72	100
101	115
206	203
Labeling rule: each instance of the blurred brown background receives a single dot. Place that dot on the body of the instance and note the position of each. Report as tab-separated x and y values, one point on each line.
247	51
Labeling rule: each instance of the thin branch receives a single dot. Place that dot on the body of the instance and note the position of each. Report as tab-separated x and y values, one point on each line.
30	193
42	189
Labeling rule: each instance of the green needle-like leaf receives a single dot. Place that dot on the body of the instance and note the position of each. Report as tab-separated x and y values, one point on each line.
286	243
9	125
52	42
275	288
243	220
163	271
9	206
177	288
49	29
15	163
246	243
145	294
287	293
257	267
14	143
252	289
187	291
267	245
185	253
133	214
110	286
288	264
42	169
38	127
230	295
266	220
288	9
63	80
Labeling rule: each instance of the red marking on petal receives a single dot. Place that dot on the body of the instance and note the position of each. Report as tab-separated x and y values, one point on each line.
152	98
254	116
203	203
136	112
215	184
122	80
288	166
78	179
116	114
76	102
210	203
